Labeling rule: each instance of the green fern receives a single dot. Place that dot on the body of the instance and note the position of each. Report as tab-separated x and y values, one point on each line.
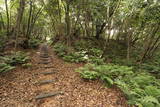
152	91
149	101
109	82
89	75
141	89
16	58
5	67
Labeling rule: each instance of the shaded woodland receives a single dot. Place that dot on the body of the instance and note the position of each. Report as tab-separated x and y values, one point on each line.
117	40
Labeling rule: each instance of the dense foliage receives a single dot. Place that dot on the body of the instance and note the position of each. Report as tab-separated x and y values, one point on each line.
125	33
8	63
71	54
140	88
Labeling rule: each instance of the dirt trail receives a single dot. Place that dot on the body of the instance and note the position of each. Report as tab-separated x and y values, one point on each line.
21	87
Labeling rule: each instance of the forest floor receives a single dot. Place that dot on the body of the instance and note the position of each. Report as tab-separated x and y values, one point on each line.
20	87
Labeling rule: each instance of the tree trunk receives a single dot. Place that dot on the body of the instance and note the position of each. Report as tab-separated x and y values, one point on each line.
2	27
20	11
7	13
128	45
100	30
29	21
59	11
149	45
68	24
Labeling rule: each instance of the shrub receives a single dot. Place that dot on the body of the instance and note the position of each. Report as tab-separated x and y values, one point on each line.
34	43
107	71
16	58
96	60
141	89
152	68
89	75
9	62
92	56
95	52
60	49
75	57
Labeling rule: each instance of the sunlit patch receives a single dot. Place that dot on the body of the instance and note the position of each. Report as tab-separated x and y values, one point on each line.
48	38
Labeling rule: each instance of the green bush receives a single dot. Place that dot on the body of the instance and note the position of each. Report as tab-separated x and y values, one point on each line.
95	52
152	68
87	72
81	45
141	90
16	59
92	56
60	49
110	70
34	43
75	57
89	75
9	62
96	60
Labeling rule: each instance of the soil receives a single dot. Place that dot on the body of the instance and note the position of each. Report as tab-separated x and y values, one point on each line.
19	88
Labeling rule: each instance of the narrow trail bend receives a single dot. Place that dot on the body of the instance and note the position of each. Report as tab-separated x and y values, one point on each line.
53	83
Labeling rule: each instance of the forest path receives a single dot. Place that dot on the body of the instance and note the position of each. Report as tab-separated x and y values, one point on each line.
51	75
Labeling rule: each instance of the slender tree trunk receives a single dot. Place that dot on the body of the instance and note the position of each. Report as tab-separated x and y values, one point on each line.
29	21
68	24
100	30
59	11
2	22
149	45
20	11
129	45
34	19
153	47
7	13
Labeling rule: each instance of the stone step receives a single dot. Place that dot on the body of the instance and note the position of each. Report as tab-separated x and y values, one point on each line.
45	67
50	94
48	73
44	56
44	62
43	82
49	67
44	52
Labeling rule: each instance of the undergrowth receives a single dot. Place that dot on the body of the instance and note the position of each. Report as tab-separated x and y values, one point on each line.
141	88
139	82
2	40
34	43
92	55
8	63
